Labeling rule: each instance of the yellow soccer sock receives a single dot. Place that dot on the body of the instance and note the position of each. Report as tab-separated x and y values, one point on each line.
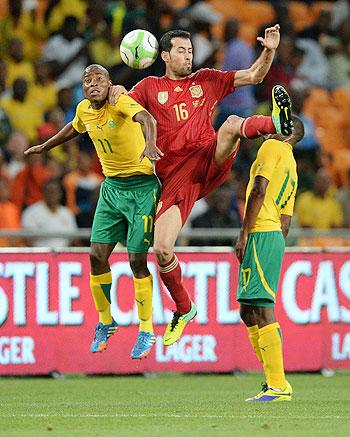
143	297
101	292
270	343
254	339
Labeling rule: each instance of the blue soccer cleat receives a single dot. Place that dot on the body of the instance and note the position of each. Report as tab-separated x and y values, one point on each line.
102	334
143	345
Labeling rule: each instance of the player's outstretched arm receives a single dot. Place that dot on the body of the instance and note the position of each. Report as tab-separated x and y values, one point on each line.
65	134
257	72
254	204
149	125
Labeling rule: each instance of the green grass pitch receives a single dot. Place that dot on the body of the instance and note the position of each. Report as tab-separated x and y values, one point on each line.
171	405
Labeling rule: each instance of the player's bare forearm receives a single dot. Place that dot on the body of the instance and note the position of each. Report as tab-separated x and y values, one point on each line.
285	224
257	72
65	134
262	65
254	204
149	126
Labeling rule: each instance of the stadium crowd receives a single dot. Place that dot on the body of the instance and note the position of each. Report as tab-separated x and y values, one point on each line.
46	44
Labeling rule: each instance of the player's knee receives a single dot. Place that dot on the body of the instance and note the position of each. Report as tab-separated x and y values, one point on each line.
98	258
247	315
233	125
163	252
138	265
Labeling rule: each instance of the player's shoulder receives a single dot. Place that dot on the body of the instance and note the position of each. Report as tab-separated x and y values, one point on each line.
148	81
125	100
272	145
83	106
207	72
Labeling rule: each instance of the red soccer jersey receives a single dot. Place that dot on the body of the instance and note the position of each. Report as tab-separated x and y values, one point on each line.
183	110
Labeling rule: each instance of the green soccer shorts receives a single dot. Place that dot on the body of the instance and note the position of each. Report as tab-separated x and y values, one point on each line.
260	270
125	212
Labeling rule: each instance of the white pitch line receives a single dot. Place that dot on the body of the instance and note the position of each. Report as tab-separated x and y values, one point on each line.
185	416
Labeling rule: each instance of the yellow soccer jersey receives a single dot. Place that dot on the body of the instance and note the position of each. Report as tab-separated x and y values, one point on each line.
275	162
118	140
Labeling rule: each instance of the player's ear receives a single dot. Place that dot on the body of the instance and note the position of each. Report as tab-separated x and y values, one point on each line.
110	83
165	56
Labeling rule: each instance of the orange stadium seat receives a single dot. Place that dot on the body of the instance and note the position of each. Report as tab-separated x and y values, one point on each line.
248	32
3	8
257	13
317	7
341	97
317	99
178	4
300	15
228	9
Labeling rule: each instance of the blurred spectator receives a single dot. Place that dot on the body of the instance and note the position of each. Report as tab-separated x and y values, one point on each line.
9	214
27	187
104	45
282	71
65	102
17	65
49	215
340	12
24	115
5	126
81	186
58	10
218	215
309	141
205	46
15	146
319	209
339	60
44	90
3	75
238	56
23	24
321	29
311	65
66	52
343	197
134	18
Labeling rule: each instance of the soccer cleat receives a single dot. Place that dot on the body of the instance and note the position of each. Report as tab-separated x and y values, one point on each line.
281	111
175	328
269	394
143	345
102	334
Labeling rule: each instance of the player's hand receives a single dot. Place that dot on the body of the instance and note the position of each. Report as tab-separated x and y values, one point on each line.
241	245
272	37
152	152
114	92
35	149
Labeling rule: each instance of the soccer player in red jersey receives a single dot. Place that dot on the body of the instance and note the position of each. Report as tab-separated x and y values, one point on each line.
196	158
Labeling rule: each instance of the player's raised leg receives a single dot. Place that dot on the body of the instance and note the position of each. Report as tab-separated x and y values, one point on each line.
166	231
252	127
100	284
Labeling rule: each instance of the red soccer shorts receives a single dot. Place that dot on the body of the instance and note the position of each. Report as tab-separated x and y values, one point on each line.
194	177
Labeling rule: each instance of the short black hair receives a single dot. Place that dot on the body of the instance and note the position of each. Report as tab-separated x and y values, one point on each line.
90	67
165	43
298	131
